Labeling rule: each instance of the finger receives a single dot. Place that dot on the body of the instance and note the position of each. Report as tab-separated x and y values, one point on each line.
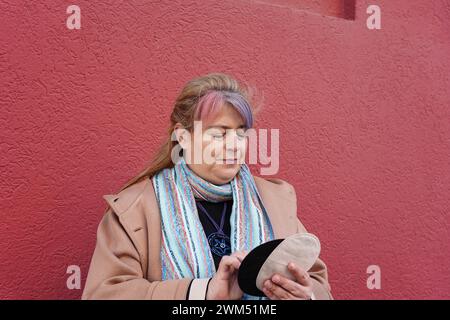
300	275
278	291
233	263
292	287
270	294
228	264
297	290
240	255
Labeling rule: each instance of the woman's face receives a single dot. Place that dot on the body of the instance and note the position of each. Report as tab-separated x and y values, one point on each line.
218	150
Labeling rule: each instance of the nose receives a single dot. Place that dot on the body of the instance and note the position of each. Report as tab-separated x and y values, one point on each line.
231	141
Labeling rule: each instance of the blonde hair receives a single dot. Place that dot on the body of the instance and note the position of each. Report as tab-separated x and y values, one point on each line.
186	110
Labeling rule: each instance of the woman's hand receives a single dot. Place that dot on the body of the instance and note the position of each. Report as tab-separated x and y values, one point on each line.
282	288
224	284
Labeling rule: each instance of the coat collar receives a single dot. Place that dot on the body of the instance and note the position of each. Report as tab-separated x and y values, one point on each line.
280	201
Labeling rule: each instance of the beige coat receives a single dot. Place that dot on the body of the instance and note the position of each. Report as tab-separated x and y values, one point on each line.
126	261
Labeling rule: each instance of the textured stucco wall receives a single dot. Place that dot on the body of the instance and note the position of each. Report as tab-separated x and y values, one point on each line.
363	118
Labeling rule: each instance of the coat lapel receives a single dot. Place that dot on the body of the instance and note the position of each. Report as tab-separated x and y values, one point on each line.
280	204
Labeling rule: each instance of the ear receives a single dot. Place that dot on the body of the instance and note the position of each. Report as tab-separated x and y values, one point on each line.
181	135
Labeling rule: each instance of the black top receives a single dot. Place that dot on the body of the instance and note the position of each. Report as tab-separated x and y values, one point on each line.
214	209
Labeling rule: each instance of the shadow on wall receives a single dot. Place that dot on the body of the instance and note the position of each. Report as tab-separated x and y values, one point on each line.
344	9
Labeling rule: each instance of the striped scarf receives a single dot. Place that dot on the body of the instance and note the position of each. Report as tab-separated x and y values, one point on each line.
185	252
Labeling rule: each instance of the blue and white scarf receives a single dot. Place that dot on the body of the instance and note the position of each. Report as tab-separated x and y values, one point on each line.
185	251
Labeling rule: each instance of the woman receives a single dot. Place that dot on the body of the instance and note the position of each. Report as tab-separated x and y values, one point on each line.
180	229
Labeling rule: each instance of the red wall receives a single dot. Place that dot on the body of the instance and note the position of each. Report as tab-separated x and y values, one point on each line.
363	118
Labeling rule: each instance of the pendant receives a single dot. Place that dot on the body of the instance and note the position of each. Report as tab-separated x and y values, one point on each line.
219	244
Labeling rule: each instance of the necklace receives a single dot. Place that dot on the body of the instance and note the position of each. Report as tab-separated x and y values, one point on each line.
218	241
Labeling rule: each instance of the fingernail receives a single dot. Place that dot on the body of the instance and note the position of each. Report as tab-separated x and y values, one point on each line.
291	265
276	278
268	284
